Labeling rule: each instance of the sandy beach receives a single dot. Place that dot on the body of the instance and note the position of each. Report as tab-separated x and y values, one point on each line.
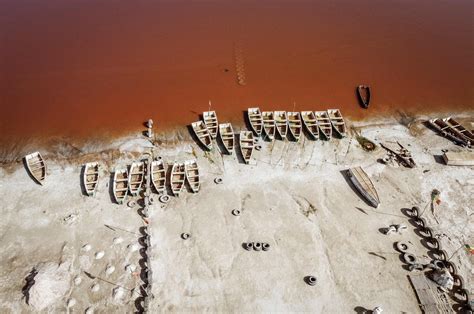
87	253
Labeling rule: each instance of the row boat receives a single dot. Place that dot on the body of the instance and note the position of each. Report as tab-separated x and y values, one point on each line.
268	118
281	123
294	124
461	130
136	177
226	134
158	176
36	166
255	119
120	185
447	131
192	175
202	133
310	123
90	177
246	145
363	93
177	178
210	120
364	185
337	121
324	123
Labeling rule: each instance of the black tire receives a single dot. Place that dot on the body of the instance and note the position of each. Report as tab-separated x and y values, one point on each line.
409	258
442	255
402	247
427	232
462	296
249	246
421	222
439	263
257	246
415	211
451	267
236	212
258	147
416	266
151	200
433	243
458	282
185	236
131	203
218	180
311	280
164	199
265	246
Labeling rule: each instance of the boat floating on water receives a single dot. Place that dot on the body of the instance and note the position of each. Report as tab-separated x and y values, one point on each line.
210	120
120	185
268	118
364	185
255	119
310	123
90	177
281	123
177	178
324	124
192	175
202	133
294	124
246	145
36	166
158	176
135	177
363	93
226	134
337	122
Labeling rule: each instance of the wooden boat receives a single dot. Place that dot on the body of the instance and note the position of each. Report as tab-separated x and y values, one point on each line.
281	123
36	166
135	177
447	131
364	185
246	145
226	134
255	119
210	120
268	118
192	175
294	124
324	123
310	123
337	122
460	129
363	93
158	176
202	133
177	178
90	178
120	185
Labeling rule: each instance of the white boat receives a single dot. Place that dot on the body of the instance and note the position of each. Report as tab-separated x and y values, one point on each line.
227	136
192	175
158	176
294	124
255	119
36	166
246	145
120	185
324	123
364	185
310	123
210	120
202	133
460	129
90	177
281	123
135	177
337	121
449	132
177	178
268	118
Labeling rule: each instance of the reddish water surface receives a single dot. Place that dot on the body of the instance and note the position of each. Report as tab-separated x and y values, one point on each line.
78	67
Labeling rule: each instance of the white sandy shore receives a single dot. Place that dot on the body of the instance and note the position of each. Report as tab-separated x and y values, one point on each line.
294	197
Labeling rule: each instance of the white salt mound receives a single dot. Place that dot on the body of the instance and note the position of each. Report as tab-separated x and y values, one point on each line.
77	280
110	269
118	293
130	268
134	247
71	302
118	240
89	310
52	282
99	255
95	287
87	247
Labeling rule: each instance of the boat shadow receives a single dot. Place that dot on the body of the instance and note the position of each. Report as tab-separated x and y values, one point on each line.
81	179
28	172
346	176
238	151
168	188
195	138
111	188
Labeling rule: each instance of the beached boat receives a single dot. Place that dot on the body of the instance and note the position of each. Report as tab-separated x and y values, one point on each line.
158	176
135	177
324	124
460	129
447	131
310	123
294	124
246	145
36	166
281	123
255	119
192	175
268	118
202	133
210	120
120	185
364	185
337	122
226	134
177	178
363	93
90	178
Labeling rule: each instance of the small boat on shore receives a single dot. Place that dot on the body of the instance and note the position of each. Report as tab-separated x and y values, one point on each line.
90	177
324	124
363	93
202	133
281	123
227	136
364	185
255	119
192	175
294	125
120	185
447	131
460	129
337	122
36	166
246	145
268	118
135	177
158	176
177	178
310	123
210	120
